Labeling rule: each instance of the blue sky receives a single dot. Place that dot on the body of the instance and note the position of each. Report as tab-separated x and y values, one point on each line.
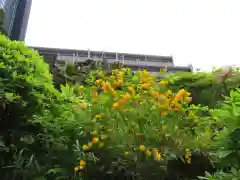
205	33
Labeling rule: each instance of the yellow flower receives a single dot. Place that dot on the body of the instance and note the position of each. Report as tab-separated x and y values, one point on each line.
114	93
98	82
163	83
131	89
188	156
182	91
126	153
98	116
76	169
188	99
176	109
126	96
82	163
148	153
85	147
142	148
164	113
145	85
115	105
157	156
188	161
122	101
118	83
188	94
81	167
155	94
95	140
169	93
180	94
107	87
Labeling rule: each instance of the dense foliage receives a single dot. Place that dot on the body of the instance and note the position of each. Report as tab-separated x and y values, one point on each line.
207	88
77	73
117	126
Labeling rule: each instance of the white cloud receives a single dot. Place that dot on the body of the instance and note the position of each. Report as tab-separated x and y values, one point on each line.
205	33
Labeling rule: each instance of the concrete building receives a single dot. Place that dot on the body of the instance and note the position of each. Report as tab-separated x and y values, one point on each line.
134	61
16	15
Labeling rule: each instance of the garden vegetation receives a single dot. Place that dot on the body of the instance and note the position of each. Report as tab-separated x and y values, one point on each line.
117	126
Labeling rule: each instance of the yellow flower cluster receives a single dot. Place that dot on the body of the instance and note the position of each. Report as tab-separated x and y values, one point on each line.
188	156
98	82
81	166
99	116
147	92
132	89
148	152
95	140
118	78
145	77
163	83
122	101
164	100
146	80
182	95
106	86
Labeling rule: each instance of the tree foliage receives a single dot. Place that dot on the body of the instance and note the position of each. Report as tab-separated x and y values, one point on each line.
77	73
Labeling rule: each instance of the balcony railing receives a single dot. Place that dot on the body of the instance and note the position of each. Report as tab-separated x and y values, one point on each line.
127	62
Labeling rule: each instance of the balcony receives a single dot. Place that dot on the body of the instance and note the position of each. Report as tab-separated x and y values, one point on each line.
128	62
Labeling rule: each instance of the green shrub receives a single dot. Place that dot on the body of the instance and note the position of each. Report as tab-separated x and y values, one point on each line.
38	124
207	88
26	87
225	150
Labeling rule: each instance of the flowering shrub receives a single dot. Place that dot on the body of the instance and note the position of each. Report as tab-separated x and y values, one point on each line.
120	126
136	119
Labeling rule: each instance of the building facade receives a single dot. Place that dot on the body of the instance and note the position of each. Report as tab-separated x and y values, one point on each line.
134	61
16	15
